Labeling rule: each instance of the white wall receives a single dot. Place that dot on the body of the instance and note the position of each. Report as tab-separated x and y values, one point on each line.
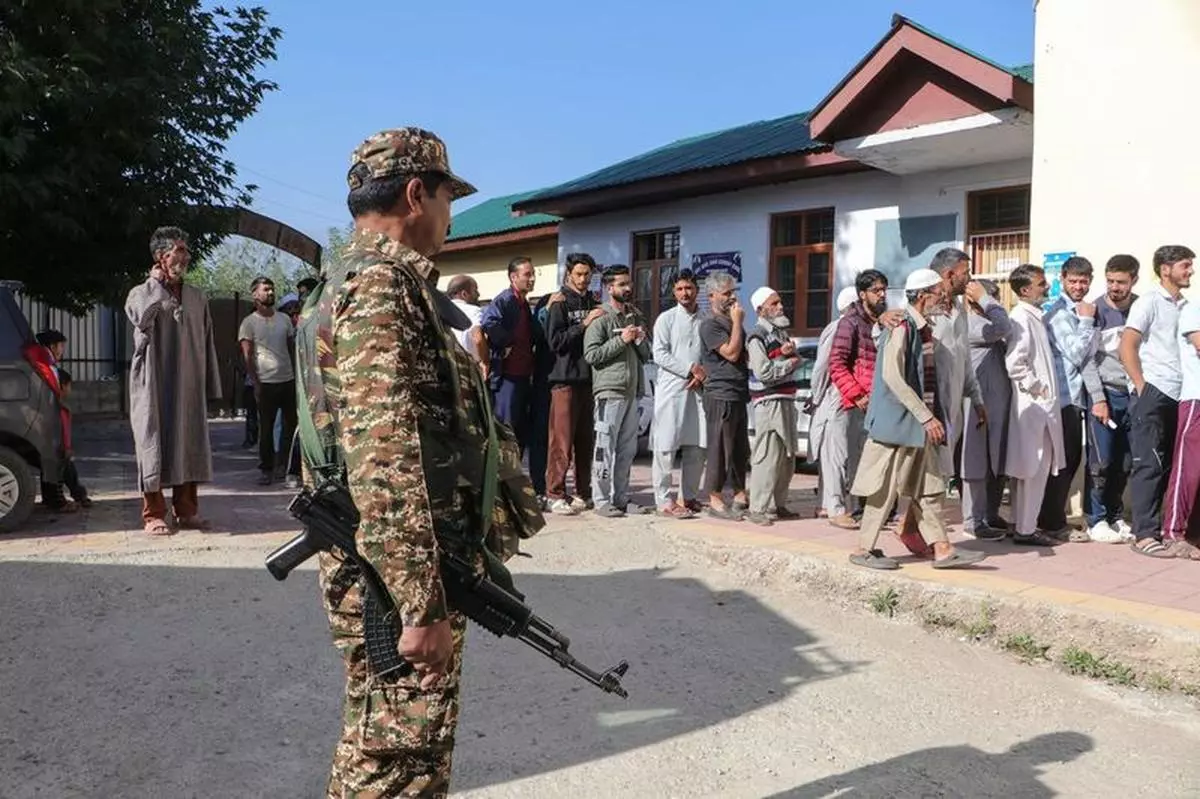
1115	166
740	220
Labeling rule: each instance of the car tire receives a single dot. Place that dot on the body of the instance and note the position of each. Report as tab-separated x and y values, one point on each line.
18	490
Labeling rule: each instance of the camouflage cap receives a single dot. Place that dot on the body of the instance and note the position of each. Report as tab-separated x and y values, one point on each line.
406	151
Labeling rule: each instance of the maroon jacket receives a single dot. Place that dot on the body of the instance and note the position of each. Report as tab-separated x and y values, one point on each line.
852	359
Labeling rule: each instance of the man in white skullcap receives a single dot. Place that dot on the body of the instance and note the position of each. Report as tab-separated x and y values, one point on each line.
828	434
773	385
906	427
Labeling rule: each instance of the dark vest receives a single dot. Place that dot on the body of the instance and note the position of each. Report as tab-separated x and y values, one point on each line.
888	421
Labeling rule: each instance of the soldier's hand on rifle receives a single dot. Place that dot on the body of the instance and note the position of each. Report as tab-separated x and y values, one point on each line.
429	650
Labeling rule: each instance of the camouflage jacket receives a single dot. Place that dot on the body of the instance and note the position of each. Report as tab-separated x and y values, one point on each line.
413	443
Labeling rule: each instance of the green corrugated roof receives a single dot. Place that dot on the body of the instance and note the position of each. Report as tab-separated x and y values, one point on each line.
769	138
494	216
765	139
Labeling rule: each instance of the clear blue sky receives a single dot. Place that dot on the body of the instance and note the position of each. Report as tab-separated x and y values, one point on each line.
530	94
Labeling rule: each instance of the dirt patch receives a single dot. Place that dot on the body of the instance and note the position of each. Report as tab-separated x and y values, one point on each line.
1158	658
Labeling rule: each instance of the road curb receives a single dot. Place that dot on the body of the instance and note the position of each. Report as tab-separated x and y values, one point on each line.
1161	645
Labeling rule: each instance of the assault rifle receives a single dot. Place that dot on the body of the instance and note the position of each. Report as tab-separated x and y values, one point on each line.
330	520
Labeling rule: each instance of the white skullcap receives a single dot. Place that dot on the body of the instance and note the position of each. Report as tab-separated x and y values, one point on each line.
922	279
760	296
846	298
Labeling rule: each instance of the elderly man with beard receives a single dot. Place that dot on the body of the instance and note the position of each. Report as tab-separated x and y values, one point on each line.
726	392
773	365
906	430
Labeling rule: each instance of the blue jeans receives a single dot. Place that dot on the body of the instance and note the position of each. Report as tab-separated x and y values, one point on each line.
1108	461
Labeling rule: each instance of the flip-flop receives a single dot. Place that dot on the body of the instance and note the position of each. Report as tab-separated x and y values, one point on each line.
728	514
1183	550
1155	549
874	560
158	528
959	559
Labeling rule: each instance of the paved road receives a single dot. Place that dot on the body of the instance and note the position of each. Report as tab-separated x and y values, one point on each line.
184	670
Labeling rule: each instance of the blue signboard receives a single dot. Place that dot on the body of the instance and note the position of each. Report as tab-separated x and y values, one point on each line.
705	262
1053	262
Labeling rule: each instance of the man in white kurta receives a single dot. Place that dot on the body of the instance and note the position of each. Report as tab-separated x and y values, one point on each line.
829	433
1035	436
678	409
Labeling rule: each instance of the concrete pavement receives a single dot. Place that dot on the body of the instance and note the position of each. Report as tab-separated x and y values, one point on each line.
180	668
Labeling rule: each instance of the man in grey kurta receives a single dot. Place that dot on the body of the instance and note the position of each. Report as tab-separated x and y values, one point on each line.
829	432
172	374
678	410
982	466
956	378
773	365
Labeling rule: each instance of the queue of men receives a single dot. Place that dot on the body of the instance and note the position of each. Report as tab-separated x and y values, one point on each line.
902	399
993	400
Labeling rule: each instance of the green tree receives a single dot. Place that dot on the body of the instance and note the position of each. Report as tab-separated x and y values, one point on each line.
113	120
231	267
336	240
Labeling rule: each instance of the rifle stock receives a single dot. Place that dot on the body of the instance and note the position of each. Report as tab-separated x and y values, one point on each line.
330	520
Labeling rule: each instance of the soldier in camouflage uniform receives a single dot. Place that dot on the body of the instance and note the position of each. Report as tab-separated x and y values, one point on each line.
401	399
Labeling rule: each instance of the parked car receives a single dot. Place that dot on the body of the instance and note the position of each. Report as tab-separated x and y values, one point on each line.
806	349
30	431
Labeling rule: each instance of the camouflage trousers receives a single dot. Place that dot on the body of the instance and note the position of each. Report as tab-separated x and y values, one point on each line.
397	738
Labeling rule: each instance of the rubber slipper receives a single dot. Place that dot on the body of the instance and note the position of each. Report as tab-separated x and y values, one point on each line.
1183	550
158	528
728	514
1155	549
873	561
959	559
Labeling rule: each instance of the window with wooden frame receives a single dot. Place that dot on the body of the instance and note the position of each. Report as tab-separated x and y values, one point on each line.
802	267
998	232
655	264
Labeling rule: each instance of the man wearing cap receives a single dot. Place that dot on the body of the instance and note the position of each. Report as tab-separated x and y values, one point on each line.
905	426
384	389
773	365
828	435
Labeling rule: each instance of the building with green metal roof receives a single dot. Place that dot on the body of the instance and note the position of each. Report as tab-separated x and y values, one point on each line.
485	237
923	144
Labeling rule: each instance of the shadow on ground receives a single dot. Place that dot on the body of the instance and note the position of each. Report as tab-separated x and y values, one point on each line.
169	681
954	771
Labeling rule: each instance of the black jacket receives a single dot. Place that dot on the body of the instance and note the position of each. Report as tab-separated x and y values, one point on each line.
564	330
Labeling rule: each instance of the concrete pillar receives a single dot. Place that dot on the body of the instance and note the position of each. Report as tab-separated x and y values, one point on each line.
1115	166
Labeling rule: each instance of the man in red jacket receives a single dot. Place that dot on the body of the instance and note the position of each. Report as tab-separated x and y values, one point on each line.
852	364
